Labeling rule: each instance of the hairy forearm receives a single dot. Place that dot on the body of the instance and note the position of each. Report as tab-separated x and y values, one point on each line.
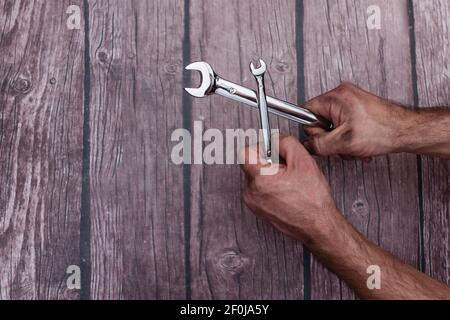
426	131
342	249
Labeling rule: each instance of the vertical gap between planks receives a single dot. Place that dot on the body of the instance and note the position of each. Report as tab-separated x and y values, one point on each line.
421	264
300	99
85	216
186	105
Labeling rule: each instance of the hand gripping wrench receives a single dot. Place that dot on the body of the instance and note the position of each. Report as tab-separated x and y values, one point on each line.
212	83
262	104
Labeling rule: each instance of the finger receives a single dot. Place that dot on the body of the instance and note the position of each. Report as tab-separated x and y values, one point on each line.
290	149
325	144
312	131
251	161
321	105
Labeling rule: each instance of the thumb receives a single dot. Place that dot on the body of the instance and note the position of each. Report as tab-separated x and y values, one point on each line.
290	148
251	161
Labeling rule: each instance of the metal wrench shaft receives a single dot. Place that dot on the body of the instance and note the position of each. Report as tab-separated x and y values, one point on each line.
262	105
212	83
276	106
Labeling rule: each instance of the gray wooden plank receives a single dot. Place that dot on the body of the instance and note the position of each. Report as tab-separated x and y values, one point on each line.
432	19
234	255
136	192
380	199
41	94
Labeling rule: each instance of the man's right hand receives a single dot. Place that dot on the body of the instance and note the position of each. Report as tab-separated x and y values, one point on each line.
365	125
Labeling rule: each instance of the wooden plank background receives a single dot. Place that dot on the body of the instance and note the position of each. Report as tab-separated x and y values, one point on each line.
234	255
136	193
432	51
41	116
379	198
86	118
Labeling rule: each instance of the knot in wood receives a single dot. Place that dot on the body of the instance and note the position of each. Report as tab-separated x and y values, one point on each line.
359	207
102	56
231	262
171	68
282	67
21	86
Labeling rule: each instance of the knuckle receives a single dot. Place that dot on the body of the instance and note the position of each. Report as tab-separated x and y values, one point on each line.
345	85
345	89
289	140
313	103
328	99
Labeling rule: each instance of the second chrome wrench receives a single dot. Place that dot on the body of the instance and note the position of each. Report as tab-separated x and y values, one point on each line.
212	83
262	105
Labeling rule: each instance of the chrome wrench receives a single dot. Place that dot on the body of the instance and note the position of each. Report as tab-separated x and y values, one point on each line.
212	83
262	105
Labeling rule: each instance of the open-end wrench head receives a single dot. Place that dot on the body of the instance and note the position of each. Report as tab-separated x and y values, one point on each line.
208	76
258	71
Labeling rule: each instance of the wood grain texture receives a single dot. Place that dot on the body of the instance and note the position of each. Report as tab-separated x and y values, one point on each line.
136	192
234	255
432	30
380	198
41	96
138	196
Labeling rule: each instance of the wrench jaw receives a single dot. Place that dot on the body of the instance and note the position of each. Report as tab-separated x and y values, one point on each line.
258	71
208	79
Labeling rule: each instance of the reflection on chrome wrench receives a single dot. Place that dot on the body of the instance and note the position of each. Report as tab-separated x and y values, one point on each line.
262	105
212	83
